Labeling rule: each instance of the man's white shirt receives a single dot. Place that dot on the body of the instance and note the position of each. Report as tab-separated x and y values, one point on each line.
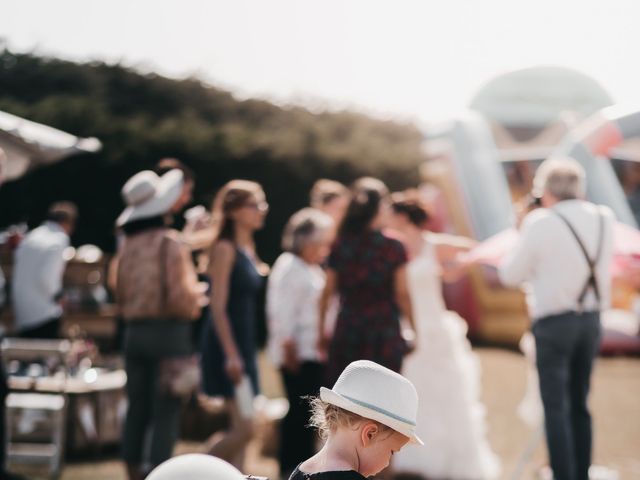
37	275
549	262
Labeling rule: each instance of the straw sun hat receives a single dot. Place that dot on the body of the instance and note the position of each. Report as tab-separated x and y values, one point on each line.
377	393
147	195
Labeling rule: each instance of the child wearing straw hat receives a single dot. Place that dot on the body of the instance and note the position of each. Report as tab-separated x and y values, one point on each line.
368	415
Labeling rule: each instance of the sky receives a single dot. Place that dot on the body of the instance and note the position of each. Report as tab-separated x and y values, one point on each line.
420	60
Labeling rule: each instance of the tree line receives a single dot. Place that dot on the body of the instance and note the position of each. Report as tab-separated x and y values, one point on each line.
142	117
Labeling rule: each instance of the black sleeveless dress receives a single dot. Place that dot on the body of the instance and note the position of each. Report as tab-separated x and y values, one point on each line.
244	288
333	475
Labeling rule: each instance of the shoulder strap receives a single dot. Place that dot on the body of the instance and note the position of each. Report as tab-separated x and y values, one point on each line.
591	280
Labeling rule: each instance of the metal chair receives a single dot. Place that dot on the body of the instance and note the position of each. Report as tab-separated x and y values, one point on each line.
36	408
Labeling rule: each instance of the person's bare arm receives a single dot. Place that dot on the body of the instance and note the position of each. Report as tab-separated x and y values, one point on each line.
186	294
222	258
449	248
323	306
403	299
459	242
199	239
112	274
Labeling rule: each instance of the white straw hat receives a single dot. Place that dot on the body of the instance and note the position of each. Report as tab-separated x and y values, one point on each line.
195	466
148	195
377	393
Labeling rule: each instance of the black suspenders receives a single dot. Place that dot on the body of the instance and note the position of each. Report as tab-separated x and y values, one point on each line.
591	281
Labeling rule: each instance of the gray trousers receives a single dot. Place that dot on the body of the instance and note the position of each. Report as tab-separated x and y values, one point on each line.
566	346
145	345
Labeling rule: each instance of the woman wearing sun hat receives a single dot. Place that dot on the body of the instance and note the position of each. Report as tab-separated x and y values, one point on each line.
158	295
368	415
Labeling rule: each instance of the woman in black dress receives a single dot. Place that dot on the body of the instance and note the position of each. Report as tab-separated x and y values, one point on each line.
367	269
229	346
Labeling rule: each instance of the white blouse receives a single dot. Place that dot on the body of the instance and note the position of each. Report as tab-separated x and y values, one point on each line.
293	293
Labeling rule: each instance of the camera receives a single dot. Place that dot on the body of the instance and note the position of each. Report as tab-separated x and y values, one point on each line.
533	201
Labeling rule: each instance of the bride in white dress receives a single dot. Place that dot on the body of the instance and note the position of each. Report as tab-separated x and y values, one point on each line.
444	370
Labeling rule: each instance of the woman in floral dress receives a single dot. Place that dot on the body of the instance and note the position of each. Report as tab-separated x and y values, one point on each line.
368	271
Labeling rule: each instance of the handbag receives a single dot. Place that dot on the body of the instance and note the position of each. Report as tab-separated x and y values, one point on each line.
178	376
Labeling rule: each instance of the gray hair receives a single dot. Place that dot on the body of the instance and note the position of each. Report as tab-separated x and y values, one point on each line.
564	178
304	227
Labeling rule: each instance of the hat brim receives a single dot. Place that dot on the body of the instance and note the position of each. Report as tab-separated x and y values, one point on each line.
404	428
167	193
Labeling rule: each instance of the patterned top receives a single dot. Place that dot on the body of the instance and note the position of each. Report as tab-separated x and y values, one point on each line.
368	324
140	288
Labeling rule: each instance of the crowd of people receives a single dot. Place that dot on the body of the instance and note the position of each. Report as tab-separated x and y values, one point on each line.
359	278
354	300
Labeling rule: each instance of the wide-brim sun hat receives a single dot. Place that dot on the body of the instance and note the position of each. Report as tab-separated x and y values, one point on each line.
377	393
148	195
195	466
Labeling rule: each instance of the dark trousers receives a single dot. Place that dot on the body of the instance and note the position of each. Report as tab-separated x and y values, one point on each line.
297	440
48	329
566	346
4	391
145	345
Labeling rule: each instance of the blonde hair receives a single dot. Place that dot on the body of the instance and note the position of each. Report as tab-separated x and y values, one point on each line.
327	418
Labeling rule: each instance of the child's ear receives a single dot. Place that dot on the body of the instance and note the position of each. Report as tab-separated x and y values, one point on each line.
368	433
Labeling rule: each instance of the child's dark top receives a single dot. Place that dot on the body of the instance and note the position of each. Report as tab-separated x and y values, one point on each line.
331	475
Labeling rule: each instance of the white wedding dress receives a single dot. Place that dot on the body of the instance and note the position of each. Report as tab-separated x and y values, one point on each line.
446	374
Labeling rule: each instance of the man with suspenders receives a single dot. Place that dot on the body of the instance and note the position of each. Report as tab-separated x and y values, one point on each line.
563	257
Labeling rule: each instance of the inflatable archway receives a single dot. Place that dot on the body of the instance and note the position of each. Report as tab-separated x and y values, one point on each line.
594	139
465	167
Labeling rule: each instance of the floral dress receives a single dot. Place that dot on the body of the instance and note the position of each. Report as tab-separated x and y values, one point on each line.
368	325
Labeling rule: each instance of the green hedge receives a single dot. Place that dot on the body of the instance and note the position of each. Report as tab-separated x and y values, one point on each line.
143	117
